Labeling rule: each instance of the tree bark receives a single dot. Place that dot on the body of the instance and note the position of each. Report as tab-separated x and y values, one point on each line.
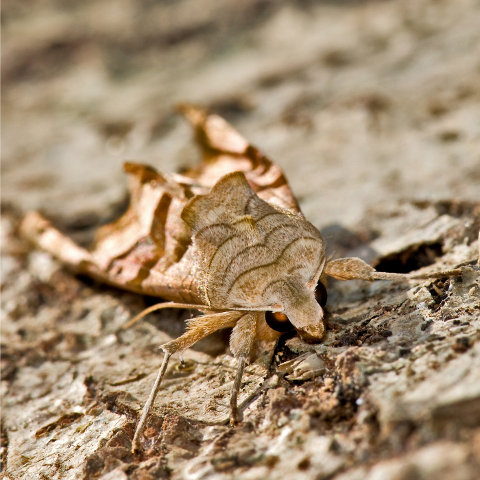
371	109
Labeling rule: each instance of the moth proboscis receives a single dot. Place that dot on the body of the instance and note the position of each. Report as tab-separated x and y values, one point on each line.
226	238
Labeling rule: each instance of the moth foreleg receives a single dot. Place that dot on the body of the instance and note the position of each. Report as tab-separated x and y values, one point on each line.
236	388
242	341
353	268
148	403
198	328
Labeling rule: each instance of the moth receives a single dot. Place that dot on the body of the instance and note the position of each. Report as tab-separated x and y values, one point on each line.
226	238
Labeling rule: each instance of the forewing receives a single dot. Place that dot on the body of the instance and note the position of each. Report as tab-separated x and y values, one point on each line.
224	150
243	245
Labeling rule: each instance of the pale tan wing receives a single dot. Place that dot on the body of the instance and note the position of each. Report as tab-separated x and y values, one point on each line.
224	150
243	245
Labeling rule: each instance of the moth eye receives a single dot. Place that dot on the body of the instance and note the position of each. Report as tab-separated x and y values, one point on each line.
321	294
279	322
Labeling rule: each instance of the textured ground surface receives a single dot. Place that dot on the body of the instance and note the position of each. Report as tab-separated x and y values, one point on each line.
372	109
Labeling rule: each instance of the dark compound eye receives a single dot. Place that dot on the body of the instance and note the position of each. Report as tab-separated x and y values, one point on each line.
321	294
279	322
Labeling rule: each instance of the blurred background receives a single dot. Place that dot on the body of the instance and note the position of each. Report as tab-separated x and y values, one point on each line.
360	102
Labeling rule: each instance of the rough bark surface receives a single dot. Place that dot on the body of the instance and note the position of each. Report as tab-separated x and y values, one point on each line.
371	108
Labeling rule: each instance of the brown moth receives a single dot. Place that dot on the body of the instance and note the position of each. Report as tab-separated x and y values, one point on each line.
226	238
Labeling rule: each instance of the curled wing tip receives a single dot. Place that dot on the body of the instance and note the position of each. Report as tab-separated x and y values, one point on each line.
143	172
213	131
33	224
193	113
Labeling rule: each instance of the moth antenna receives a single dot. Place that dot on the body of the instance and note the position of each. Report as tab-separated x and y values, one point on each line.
160	306
415	276
455	272
148	403
352	268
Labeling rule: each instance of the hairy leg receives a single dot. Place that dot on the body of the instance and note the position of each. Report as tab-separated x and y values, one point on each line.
198	328
241	344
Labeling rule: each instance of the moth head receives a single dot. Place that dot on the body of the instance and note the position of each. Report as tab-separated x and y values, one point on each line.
299	306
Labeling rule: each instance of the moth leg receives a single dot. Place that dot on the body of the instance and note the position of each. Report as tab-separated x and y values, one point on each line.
242	341
236	388
148	403
353	268
197	329
161	306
